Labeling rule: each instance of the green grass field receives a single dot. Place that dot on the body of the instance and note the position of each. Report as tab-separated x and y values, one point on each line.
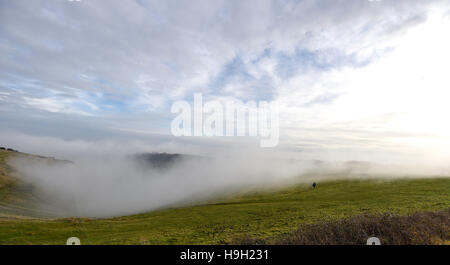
260	215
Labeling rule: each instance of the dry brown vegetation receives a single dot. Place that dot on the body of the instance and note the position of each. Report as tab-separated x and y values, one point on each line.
426	228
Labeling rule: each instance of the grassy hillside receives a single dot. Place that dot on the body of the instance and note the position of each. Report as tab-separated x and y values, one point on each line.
259	215
15	197
19	199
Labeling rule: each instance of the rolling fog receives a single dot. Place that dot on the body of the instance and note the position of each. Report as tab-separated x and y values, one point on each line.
121	185
103	179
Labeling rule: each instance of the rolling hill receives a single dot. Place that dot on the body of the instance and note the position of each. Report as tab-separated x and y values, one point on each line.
261	215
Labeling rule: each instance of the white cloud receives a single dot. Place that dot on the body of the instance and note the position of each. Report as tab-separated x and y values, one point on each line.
53	105
399	100
347	73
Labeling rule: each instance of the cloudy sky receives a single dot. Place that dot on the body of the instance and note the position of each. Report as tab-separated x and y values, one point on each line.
354	79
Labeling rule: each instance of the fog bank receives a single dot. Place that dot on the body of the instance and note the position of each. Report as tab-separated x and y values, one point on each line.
120	186
103	179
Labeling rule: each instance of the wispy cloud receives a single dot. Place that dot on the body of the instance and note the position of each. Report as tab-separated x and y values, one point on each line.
350	71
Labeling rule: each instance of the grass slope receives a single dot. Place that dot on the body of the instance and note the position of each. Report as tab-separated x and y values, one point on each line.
19	199
259	215
15	196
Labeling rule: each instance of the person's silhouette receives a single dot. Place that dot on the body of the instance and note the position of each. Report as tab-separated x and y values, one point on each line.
314	185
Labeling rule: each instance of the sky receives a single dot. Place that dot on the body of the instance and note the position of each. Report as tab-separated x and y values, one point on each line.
354	79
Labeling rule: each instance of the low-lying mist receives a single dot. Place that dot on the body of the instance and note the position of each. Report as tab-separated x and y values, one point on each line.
119	186
111	178
125	185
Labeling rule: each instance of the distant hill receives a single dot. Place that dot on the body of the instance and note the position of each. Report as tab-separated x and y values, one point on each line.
161	160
